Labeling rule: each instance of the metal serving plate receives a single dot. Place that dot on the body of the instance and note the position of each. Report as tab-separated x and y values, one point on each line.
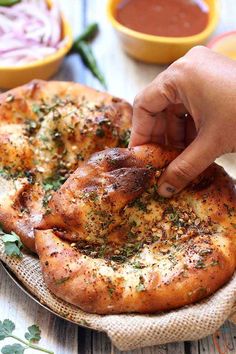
28	293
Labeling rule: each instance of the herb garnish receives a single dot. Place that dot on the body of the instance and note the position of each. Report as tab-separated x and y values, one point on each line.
126	252
53	183
7	174
36	108
139	204
111	290
44	138
61	281
174	217
214	263
12	244
138	265
124	138
205	251
31	126
46	200
200	264
33	335
140	286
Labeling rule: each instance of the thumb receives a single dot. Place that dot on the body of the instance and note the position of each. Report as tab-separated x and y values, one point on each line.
188	165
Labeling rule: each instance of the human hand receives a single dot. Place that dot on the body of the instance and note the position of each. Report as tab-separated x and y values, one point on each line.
191	105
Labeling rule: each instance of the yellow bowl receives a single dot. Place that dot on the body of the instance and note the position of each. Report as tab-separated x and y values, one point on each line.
158	49
12	76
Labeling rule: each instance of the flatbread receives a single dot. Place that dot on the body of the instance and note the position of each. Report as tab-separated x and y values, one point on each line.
110	244
47	129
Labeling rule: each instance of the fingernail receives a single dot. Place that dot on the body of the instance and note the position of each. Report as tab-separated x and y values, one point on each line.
166	190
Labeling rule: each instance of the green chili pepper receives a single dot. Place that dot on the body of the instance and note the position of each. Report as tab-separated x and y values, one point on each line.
89	33
81	47
89	60
8	2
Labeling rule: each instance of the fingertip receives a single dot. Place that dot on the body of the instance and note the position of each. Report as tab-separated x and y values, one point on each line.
131	142
137	139
166	190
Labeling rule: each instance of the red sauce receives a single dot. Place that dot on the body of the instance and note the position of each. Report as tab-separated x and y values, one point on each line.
171	18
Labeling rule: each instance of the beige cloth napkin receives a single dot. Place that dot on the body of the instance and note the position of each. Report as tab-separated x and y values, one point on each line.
134	331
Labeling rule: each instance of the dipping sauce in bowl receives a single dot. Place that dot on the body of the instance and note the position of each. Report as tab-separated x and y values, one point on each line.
161	31
169	18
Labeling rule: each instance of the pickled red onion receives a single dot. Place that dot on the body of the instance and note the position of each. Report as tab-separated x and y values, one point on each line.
29	31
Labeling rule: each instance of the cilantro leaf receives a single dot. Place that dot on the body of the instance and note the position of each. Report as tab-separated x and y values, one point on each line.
11	238
6	328
13	349
2	332
33	334
36	108
12	243
11	249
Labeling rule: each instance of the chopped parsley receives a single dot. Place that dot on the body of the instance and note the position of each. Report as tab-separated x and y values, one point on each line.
53	183
206	251
46	200
138	265
200	264
124	138
36	109
111	290
31	126
62	280
214	263
44	138
137	203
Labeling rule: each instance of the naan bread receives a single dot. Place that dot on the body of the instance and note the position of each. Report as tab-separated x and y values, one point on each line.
111	244
47	129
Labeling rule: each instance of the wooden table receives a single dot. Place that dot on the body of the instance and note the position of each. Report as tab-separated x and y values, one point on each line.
125	78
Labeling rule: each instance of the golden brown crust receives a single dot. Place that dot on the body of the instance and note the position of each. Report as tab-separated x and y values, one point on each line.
46	130
107	242
110	244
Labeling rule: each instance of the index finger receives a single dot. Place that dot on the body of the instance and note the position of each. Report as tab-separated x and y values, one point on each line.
147	108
